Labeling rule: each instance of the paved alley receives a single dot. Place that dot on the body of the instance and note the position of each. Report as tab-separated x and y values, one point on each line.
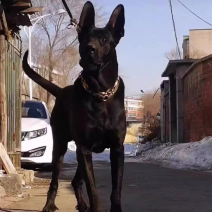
146	187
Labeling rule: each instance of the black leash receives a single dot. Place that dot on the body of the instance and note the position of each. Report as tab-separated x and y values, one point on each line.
73	21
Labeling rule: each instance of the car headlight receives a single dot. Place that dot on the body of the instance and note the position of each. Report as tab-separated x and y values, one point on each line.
38	152
33	134
34	152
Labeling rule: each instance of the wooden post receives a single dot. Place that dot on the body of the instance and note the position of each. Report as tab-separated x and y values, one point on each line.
3	110
7	163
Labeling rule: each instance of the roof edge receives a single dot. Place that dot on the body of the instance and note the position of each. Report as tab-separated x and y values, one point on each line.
176	62
196	63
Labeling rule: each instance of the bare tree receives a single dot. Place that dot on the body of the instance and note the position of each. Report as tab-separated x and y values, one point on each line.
173	54
151	129
151	101
54	46
193	54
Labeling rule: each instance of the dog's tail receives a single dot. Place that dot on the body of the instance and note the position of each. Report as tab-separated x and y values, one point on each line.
47	85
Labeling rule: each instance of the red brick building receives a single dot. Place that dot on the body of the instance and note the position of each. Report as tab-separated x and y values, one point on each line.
186	100
197	83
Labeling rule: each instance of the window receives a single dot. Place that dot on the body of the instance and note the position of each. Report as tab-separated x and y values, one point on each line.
33	110
131	115
131	108
132	103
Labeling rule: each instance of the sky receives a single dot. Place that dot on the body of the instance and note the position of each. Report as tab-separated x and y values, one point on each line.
149	35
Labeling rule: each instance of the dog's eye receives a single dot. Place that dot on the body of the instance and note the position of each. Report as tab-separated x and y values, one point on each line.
104	40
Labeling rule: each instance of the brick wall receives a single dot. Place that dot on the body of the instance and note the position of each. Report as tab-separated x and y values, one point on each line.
198	101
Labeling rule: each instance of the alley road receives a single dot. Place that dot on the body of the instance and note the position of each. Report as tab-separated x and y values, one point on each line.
146	188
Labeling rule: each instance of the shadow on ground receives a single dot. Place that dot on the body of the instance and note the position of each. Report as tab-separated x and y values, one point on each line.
149	187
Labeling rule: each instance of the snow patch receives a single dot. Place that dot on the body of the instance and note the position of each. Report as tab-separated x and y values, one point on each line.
130	150
194	155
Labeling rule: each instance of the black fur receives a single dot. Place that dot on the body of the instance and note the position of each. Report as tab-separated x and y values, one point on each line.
77	115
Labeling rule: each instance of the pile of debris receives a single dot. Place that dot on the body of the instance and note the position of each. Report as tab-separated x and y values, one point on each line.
16	184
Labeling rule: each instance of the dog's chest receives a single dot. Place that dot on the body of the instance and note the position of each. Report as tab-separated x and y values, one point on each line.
95	123
95	118
97	115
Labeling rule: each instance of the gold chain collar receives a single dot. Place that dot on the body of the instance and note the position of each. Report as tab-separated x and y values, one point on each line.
103	96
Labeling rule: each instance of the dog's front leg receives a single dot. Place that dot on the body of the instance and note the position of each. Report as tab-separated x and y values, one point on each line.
117	170
59	150
77	186
85	161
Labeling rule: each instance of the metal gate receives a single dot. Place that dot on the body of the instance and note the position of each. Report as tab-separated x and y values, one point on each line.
13	97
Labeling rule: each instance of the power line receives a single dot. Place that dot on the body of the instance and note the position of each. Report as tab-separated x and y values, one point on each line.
175	33
194	13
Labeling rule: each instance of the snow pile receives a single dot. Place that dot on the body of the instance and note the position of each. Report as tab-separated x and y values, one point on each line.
144	147
194	155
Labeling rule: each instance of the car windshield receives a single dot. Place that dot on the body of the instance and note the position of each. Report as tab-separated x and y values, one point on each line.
33	110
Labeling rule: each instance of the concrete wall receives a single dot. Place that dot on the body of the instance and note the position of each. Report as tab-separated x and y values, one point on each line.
173	106
130	138
163	110
133	128
179	101
162	116
200	43
166	118
132	133
198	100
172	110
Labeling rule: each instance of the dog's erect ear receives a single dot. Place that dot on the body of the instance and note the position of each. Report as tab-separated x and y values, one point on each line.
87	18
116	23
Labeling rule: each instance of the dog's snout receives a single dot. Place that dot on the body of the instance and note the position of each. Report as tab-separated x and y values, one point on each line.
91	48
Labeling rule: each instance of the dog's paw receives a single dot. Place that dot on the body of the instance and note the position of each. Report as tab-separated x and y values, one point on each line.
83	208
50	208
112	210
116	208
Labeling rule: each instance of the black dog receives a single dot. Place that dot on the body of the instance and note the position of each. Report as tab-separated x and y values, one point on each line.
91	112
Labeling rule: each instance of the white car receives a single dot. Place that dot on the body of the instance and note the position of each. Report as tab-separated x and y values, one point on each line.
36	133
130	150
72	146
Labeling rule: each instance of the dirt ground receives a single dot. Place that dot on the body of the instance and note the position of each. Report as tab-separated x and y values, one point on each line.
146	188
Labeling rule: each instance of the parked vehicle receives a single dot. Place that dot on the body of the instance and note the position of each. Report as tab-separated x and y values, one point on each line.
72	146
130	150
36	133
141	139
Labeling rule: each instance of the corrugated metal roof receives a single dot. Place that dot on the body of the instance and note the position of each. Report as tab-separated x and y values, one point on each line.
17	11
